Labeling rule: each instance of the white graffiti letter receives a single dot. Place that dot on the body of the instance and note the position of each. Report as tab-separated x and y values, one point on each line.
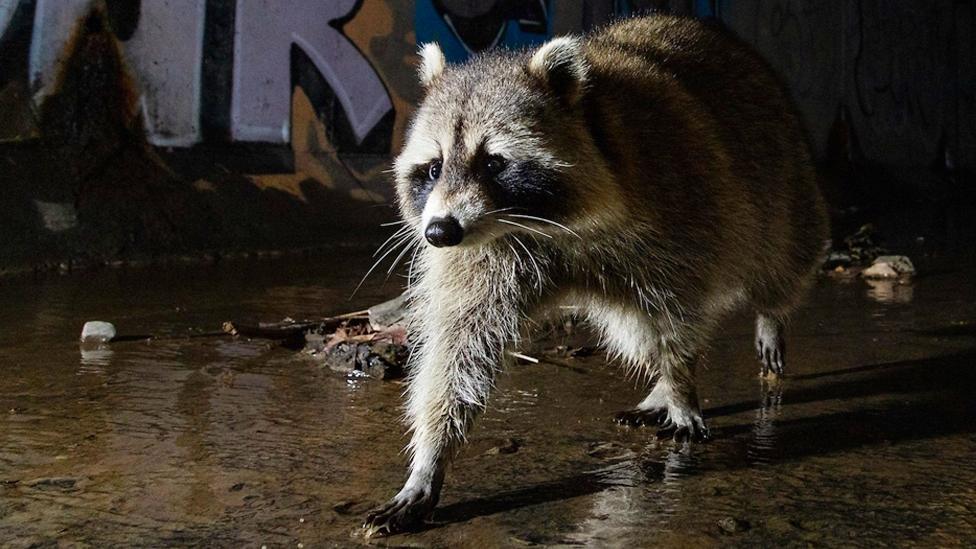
265	32
164	53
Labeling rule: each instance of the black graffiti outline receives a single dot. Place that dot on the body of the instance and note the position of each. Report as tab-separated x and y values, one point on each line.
501	11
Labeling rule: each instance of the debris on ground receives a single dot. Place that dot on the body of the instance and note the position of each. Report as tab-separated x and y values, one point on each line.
290	331
53	483
357	350
732	525
862	255
372	342
97	331
858	250
507	446
565	351
889	266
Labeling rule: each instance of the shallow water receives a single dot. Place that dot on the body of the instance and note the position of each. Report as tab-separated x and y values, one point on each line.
869	440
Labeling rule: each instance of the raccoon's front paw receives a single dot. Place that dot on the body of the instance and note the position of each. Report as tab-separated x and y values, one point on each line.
685	425
640	418
682	425
406	511
696	432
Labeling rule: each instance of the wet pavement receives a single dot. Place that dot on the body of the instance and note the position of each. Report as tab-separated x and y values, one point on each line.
869	440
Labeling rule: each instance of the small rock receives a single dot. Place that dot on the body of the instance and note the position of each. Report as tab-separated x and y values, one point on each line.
97	331
880	270
889	266
732	525
376	360
237	487
509	446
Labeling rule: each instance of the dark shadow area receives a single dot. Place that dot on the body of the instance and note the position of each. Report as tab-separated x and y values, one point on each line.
967	329
948	373
935	399
557	490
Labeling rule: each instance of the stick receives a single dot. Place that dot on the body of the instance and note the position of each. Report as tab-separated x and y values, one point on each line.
289	330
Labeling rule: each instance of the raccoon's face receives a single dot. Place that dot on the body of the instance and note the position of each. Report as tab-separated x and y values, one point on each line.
481	159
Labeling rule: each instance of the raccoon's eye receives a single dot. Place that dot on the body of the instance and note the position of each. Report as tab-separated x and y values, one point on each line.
495	164
434	170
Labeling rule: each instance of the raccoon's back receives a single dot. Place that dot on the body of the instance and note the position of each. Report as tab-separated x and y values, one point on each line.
695	113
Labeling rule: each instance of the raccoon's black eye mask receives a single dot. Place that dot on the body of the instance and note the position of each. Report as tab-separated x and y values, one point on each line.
527	185
422	179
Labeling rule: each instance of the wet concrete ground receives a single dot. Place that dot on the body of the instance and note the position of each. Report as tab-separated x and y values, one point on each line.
868	441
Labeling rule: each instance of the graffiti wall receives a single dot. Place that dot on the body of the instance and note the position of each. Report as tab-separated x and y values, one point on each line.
224	71
298	105
211	70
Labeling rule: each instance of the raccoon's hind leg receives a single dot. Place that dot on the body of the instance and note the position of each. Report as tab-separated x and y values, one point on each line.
664	355
770	345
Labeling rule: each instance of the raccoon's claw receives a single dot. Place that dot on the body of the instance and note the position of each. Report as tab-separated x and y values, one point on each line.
696	432
772	360
405	512
693	433
640	418
770	346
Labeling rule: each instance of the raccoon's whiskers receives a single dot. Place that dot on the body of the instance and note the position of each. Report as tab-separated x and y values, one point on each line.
538	271
549	221
515	253
393	248
401	221
406	250
527	228
413	258
501	210
399	232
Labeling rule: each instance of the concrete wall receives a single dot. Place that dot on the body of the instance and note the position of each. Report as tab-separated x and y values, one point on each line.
906	69
306	100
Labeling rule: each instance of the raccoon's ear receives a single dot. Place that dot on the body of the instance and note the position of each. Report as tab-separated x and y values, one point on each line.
432	63
561	65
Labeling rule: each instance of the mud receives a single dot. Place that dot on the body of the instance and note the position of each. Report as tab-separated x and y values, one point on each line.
213	441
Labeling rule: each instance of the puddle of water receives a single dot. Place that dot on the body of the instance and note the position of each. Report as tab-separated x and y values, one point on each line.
217	441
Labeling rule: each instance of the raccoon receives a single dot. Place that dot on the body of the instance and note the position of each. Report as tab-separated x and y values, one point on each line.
654	174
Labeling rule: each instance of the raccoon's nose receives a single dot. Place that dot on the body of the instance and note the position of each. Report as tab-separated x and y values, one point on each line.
444	231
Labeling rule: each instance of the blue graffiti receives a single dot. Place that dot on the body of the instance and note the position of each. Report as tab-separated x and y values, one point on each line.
463	28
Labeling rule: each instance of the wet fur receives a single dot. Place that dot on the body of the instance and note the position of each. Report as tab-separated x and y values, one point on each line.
674	160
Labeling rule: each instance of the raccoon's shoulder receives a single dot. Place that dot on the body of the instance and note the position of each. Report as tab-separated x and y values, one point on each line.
663	38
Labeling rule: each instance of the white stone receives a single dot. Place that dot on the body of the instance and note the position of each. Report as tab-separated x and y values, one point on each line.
880	270
889	266
97	331
900	263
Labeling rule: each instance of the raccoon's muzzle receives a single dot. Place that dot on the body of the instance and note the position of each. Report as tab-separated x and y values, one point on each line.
444	231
